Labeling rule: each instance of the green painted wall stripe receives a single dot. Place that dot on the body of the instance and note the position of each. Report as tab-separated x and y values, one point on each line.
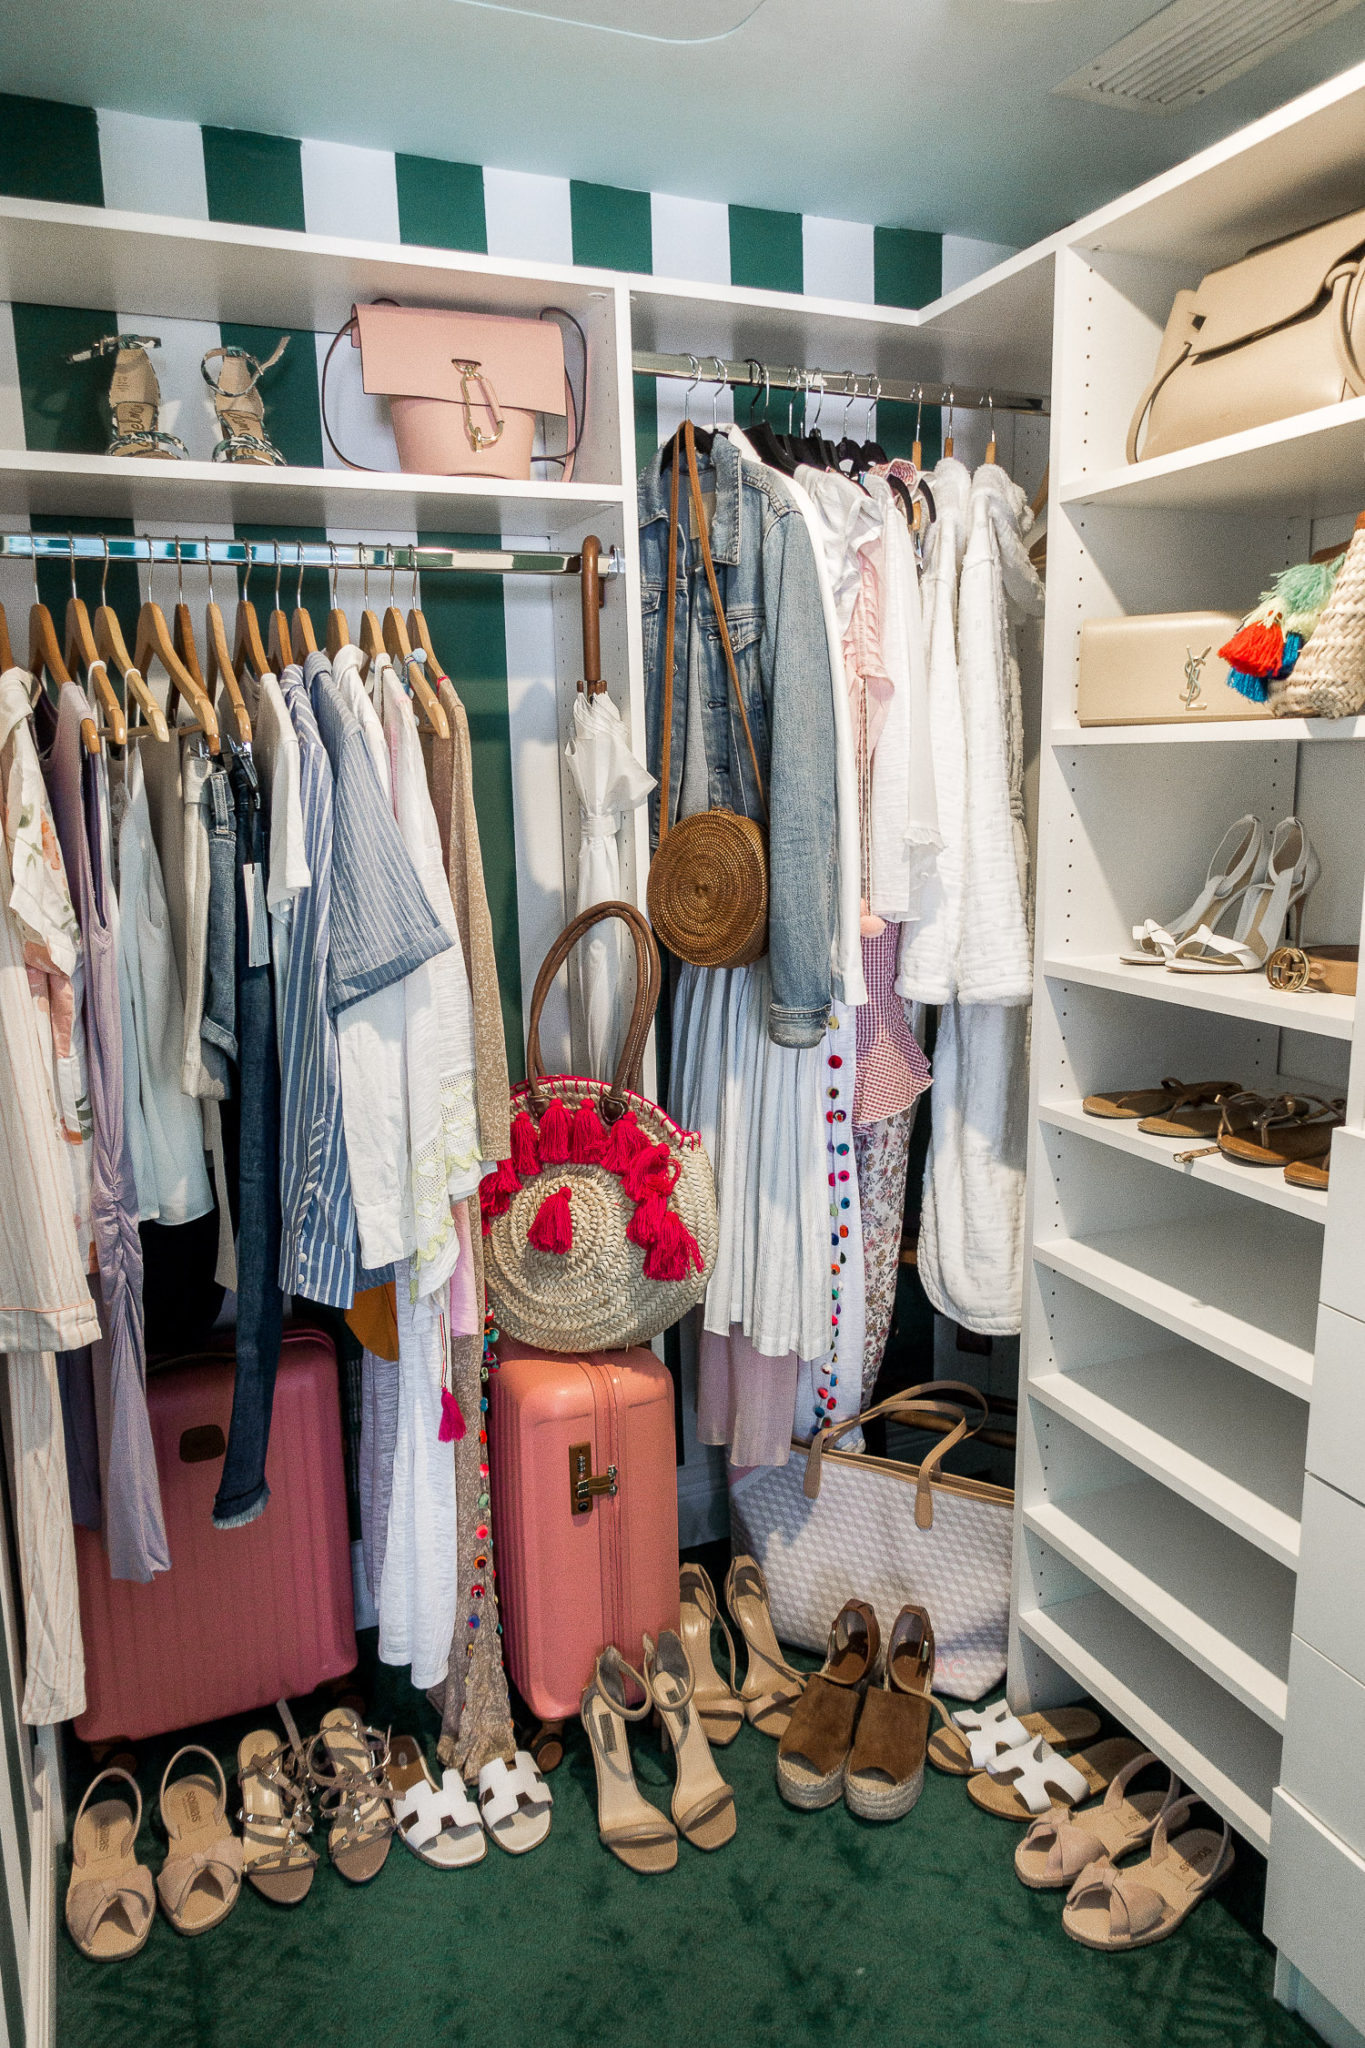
121	584
293	416
468	629
254	179
64	404
440	205
896	430
646	420
907	266
49	150
765	249
611	227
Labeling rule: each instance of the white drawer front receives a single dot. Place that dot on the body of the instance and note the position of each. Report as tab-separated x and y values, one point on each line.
1326	1724
1315	1906
1336	1425
1329	1611
1343	1268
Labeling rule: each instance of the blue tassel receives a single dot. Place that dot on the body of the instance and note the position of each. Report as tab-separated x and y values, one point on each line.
1250	686
1293	648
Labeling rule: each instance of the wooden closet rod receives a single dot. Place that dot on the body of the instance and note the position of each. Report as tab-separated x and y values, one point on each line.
835	384
329	555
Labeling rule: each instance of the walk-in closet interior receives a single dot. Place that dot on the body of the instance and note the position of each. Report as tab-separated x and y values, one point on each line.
682	717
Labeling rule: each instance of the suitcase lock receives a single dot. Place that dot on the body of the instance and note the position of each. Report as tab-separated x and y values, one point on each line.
583	1483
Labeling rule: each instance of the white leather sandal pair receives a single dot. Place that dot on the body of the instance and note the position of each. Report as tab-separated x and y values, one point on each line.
1271	885
444	1827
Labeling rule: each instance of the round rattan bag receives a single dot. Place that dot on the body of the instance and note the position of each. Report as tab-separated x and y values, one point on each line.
601	1228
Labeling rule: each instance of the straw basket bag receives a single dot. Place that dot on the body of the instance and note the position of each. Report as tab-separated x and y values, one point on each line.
601	1227
1328	679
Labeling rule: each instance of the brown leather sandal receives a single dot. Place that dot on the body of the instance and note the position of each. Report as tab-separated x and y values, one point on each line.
1152	1102
885	1774
1281	1129
813	1753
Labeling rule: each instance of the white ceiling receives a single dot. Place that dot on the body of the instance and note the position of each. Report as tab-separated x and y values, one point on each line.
918	113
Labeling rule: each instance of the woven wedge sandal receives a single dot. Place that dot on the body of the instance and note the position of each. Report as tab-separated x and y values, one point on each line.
885	1773
813	1752
719	1705
1108	1908
771	1686
1061	1845
347	1766
111	1900
974	1735
200	1880
1024	1783
276	1813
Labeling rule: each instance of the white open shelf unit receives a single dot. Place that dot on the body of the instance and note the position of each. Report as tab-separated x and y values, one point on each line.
1171	1311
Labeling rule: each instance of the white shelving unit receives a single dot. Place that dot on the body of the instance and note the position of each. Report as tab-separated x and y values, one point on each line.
1191	1483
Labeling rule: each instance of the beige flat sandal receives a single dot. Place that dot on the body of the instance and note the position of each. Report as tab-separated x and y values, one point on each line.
976	1734
1024	1783
276	1813
354	1792
111	1900
636	1832
771	1686
703	1805
1152	1102
1108	1908
202	1876
1061	1845
719	1705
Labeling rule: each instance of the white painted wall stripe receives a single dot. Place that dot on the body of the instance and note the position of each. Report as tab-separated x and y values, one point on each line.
186	401
691	238
11	406
359	422
152	166
965	258
837	259
350	192
528	216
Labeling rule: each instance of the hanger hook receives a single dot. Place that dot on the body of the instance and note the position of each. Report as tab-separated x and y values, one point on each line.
393	567
179	573
332	553
71	558
298	587
919	410
249	563
277	575
367	578
990	405
208	564
719	362
874	392
696	379
850	393
414	595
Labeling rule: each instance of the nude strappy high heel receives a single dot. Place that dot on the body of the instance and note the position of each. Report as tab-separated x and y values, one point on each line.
771	1686
719	1705
703	1804
1236	862
636	1832
1272	902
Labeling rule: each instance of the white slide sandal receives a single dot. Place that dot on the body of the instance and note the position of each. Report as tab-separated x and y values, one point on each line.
515	1802
441	1824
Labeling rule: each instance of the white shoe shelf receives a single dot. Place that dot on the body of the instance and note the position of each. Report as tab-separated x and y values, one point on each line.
1191	1477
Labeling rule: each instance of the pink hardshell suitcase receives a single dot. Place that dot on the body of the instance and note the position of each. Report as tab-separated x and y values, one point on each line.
585	1513
244	1616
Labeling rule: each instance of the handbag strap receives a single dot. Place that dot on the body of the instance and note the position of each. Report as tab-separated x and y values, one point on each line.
648	978
1344	298
685	439
1148	400
909	1409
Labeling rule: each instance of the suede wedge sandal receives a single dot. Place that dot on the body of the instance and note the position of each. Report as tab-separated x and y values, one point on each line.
347	1764
1154	1102
813	1754
771	1686
439	1823
200	1880
974	1735
703	1805
1023	1783
1061	1845
111	1900
276	1813
885	1773
719	1705
636	1833
1108	1908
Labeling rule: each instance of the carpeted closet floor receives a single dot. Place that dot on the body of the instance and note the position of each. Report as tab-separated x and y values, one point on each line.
808	1928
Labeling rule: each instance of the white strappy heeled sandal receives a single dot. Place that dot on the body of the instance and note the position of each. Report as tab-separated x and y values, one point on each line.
1274	900
1237	862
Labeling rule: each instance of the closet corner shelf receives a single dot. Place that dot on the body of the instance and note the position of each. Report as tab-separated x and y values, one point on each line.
1223	733
32	480
1254	1183
1312	463
1247	996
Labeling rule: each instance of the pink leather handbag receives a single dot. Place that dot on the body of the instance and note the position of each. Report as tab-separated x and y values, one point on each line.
464	389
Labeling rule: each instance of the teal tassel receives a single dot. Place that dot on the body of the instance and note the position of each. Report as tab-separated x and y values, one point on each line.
1250	686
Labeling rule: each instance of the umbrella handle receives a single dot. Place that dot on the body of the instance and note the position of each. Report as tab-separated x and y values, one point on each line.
592	620
648	980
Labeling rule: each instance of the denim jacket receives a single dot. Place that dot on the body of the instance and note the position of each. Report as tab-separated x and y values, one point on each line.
765	571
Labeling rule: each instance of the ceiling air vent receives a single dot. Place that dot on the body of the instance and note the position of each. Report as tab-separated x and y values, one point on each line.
1191	48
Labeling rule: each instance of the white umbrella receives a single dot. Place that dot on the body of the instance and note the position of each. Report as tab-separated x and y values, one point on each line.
610	783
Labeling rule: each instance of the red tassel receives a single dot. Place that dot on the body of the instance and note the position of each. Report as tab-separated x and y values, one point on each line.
1256	649
452	1421
495	1194
589	1136
651	1172
525	1153
675	1253
624	1140
552	1230
647	1222
553	1135
505	1181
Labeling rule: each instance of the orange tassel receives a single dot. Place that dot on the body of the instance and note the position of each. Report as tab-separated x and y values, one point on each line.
552	1230
675	1253
624	1140
647	1222
553	1135
525	1152
651	1172
1256	649
589	1136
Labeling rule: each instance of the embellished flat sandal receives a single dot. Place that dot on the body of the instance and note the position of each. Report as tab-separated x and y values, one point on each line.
276	1813
354	1792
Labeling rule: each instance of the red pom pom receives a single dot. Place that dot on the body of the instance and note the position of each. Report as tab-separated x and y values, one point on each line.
650	1172
553	1135
588	1138
1256	649
525	1153
552	1230
624	1140
647	1222
675	1253
452	1421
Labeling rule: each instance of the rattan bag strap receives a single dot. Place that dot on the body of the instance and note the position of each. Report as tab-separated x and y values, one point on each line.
648	978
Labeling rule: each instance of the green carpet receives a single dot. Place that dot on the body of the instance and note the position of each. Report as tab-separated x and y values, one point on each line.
807	1928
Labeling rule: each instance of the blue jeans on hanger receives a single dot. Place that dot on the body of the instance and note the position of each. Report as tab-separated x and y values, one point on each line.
251	1140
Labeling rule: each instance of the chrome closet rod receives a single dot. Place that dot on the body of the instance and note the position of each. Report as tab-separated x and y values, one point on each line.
835	384
293	554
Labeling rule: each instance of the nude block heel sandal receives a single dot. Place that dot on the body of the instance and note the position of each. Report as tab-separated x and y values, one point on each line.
719	1705
636	1832
111	1900
813	1754
974	1735
771	1686
200	1880
1023	1783
703	1804
1108	1908
1061	1845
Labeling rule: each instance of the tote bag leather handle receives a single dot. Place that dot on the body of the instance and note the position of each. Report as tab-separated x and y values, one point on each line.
909	1409
648	979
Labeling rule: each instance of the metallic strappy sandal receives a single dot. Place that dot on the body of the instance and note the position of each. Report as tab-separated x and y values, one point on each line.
719	1707
276	1813
134	397
239	405
354	1792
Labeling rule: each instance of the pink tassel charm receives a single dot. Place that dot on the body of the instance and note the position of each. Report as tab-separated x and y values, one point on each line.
675	1253
651	1172
452	1421
588	1138
525	1151
647	1222
624	1140
552	1230
553	1135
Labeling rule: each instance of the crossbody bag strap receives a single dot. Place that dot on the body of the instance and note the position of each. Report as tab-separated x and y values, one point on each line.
1347	289
699	522
670	642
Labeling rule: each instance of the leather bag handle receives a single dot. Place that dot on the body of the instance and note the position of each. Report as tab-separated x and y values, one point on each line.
1341	282
1148	400
909	1408
648	979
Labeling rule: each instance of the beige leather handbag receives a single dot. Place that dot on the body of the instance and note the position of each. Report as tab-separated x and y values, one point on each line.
1158	668
1281	332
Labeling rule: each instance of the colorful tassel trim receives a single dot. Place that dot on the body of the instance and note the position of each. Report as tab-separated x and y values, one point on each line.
452	1421
1257	647
1257	687
553	1136
588	1138
552	1230
525	1151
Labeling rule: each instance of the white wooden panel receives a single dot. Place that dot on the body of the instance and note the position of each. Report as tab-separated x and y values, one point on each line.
1336	1429
152	166
1326	1726
1343	1268
1330	1614
1315	1906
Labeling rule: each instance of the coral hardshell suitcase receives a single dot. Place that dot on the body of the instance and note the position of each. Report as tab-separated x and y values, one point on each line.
244	1616
585	1513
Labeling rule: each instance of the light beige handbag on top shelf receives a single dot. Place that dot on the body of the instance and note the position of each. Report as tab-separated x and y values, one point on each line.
1159	668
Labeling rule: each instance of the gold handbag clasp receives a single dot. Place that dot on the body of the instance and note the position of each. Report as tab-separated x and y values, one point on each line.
470	374
1193	663
584	1484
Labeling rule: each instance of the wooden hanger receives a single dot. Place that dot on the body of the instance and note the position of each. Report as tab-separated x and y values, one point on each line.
399	647
82	654
302	637
278	638
591	577
222	672
948	437
917	450
110	646
248	651
154	640
45	658
338	631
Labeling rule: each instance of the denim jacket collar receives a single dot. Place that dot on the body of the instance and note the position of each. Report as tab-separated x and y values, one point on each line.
723	461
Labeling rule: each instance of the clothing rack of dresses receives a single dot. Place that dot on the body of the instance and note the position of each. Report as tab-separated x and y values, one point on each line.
107	549
865	385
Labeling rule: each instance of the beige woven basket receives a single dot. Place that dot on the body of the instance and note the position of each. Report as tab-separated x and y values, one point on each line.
1328	679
